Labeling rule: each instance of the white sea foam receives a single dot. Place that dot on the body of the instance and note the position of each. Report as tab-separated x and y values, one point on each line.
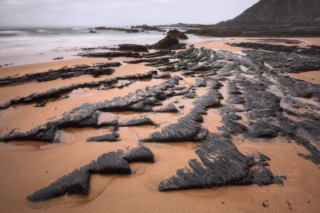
22	46
10	32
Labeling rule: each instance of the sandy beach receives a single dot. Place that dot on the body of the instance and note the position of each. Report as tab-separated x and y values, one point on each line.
27	166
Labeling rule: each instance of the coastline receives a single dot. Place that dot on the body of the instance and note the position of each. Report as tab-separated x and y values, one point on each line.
29	166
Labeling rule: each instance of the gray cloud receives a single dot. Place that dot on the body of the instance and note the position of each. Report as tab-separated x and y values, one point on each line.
120	12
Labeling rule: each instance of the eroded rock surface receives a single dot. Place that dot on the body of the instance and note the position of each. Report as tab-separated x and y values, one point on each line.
78	181
246	93
64	72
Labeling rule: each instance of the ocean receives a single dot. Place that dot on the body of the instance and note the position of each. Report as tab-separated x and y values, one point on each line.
35	45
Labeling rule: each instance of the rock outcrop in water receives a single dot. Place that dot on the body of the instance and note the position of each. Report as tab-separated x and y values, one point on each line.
177	34
166	43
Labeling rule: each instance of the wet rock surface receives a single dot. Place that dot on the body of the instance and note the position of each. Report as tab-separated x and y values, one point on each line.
111	54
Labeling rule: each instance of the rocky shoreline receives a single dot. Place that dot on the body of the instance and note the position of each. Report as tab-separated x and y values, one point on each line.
252	98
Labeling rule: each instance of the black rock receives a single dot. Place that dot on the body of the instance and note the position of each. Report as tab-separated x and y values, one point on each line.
78	181
108	137
138	122
133	47
58	58
221	165
165	43
169	108
40	104
177	34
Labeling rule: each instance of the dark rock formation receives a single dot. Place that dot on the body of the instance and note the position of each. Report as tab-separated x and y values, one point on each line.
169	108
299	88
220	162
177	47
177	34
152	61
200	83
55	93
133	47
164	75
188	128
138	122
58	58
108	137
233	99
285	62
133	31
165	43
78	181
221	165
87	114
110	54
64	72
147	28
110	28
313	50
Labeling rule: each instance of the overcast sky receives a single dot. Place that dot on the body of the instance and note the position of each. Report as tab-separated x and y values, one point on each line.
118	12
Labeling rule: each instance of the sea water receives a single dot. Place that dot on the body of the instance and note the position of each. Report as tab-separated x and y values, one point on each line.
35	45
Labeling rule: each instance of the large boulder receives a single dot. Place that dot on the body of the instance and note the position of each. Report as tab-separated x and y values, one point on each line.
167	42
177	34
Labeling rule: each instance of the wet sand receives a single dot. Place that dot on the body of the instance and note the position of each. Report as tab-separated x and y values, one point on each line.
311	76
29	166
221	45
138	192
41	67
